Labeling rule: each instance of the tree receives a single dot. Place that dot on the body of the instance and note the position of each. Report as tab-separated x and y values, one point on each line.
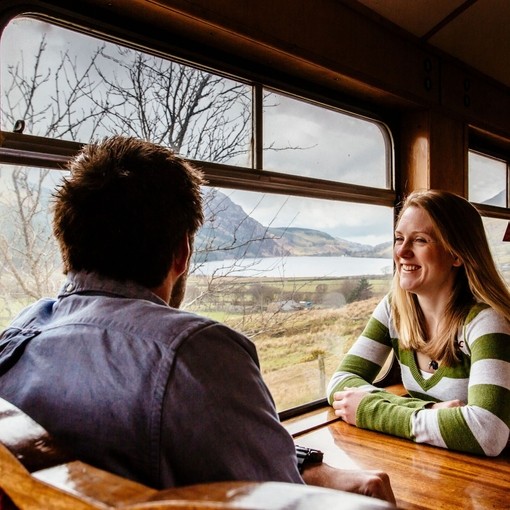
26	248
46	96
200	115
361	292
111	89
51	96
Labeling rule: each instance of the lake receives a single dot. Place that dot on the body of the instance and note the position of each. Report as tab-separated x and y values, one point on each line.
305	267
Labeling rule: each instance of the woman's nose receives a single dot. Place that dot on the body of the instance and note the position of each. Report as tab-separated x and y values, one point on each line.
404	248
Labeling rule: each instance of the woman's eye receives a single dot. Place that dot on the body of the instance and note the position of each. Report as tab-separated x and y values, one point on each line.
416	240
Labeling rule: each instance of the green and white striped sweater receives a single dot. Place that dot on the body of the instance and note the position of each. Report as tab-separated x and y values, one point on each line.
481	379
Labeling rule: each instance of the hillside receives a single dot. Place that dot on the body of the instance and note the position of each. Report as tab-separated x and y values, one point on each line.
230	233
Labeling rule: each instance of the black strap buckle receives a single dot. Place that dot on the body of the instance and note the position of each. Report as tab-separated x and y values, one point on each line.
306	456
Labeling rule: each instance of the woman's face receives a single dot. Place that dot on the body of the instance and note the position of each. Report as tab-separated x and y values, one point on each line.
424	267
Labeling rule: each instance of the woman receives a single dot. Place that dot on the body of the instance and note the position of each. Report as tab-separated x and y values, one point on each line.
447	320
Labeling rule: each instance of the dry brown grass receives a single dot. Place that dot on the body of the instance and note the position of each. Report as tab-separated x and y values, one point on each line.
289	352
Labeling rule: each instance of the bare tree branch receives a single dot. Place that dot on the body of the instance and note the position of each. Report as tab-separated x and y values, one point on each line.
119	90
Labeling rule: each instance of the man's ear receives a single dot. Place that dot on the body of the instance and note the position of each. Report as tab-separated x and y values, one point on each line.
181	260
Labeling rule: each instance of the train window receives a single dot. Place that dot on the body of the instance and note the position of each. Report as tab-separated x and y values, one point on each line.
71	86
326	145
488	180
29	259
296	259
488	186
284	273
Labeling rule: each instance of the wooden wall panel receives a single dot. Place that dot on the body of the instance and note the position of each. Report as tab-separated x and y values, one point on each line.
433	153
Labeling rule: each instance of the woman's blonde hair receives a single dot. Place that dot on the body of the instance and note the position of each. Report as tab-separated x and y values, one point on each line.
459	229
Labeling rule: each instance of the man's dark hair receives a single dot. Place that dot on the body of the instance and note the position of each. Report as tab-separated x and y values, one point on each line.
125	210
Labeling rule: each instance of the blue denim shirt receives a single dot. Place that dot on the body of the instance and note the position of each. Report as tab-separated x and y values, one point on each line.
133	386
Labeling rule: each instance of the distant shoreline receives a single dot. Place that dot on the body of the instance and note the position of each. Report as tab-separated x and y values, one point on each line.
297	267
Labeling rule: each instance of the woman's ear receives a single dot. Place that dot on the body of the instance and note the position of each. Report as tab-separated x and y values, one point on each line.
457	262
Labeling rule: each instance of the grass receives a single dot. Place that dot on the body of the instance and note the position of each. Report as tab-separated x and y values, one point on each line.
289	358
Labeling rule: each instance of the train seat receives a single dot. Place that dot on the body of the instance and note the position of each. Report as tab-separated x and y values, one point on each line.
36	473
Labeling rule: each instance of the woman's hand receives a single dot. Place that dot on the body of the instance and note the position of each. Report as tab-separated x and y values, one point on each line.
346	403
446	404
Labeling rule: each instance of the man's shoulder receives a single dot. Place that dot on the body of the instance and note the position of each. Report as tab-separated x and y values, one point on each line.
164	319
139	324
33	315
145	321
178	326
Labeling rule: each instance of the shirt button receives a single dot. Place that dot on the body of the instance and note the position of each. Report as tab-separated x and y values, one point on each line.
70	287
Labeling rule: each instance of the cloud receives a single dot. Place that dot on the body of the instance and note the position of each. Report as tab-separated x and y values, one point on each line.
323	143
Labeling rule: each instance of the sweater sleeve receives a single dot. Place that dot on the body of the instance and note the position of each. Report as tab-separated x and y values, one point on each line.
364	361
482	425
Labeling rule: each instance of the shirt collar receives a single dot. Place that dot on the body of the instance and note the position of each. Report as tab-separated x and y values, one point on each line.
89	282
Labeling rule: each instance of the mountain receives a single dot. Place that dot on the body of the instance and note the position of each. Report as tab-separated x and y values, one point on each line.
306	241
497	200
230	233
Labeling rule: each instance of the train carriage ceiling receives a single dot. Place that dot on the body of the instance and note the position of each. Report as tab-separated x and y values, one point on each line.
476	32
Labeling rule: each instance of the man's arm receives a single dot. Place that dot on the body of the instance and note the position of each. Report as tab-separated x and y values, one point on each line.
219	419
229	428
369	483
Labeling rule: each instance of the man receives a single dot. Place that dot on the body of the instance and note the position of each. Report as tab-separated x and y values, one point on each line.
127	381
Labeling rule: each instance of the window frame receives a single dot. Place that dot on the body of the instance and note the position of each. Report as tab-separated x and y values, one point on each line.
29	150
490	145
26	149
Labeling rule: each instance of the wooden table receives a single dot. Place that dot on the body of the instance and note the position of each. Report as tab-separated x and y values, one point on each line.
422	476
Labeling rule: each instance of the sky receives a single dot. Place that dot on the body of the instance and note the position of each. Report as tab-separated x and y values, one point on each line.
487	178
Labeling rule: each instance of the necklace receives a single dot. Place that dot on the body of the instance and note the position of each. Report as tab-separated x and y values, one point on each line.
434	365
